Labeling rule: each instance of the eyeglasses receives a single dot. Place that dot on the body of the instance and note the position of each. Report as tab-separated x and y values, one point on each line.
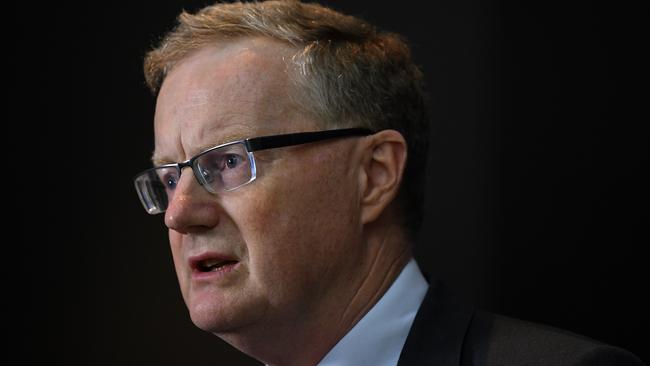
224	167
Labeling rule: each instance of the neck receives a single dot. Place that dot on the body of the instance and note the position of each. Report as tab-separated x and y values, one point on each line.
306	341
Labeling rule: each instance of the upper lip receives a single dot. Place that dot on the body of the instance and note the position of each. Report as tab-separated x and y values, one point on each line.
195	261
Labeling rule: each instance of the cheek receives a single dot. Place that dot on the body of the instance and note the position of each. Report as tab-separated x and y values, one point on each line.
296	223
299	204
175	241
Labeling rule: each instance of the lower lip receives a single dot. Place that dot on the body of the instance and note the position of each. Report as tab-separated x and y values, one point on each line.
216	274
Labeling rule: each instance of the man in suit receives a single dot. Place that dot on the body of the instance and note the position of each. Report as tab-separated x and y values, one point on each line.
290	145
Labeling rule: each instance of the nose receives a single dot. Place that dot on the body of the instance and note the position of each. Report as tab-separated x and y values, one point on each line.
191	208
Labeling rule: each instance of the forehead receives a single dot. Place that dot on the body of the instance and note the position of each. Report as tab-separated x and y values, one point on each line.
237	90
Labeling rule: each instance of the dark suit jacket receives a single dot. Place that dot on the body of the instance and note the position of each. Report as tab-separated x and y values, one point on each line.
446	332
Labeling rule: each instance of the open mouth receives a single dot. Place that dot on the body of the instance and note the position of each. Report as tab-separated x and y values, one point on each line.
213	264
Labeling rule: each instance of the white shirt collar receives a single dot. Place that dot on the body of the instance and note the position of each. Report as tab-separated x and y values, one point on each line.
377	339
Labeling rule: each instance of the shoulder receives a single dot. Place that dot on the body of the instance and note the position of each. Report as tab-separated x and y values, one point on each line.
448	332
499	340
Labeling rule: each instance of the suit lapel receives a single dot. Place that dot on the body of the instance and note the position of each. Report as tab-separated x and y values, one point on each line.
437	334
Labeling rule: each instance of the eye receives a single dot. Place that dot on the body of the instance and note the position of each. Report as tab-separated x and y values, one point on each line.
170	181
231	161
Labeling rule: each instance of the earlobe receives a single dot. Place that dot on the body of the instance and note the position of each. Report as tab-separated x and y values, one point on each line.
383	170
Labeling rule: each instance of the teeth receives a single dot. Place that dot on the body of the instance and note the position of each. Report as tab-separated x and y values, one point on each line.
211	263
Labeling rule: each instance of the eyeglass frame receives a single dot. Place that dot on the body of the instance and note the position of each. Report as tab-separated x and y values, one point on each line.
251	145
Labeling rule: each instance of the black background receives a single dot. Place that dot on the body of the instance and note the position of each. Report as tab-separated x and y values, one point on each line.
538	190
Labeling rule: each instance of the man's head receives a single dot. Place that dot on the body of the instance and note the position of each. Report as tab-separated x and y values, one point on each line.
318	236
343	72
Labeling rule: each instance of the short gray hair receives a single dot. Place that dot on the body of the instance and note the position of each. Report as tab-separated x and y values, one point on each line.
350	74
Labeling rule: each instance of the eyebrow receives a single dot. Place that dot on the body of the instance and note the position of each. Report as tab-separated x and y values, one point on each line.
156	161
230	137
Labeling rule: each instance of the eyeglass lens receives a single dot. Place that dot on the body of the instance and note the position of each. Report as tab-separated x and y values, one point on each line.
221	169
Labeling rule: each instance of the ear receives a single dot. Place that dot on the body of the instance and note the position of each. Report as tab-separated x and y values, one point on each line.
382	171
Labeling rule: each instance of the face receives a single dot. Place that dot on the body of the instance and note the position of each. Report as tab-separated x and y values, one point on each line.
286	246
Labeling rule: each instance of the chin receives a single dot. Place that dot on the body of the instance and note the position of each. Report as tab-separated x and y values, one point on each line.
219	319
211	319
